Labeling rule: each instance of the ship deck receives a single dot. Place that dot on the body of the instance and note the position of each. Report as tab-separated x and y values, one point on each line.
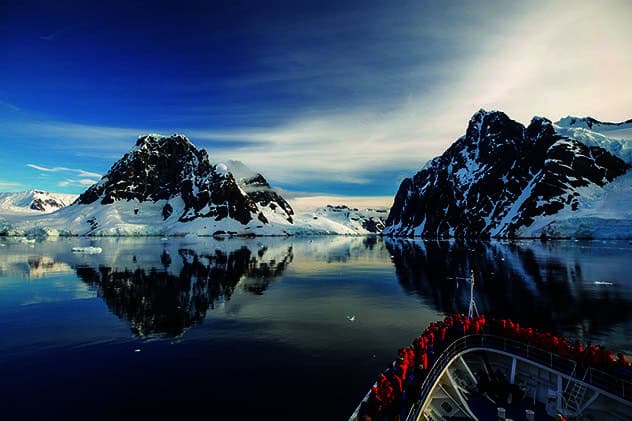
476	374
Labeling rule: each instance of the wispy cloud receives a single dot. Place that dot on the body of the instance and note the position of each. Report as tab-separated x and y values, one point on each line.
8	185
533	63
82	136
80	173
84	182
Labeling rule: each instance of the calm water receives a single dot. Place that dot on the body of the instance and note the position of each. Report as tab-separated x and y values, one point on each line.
259	328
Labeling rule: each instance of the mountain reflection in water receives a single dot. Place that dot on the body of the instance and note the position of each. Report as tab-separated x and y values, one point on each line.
156	300
547	285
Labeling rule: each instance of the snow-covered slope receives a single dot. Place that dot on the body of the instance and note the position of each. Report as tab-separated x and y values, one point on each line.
502	179
34	201
616	138
341	219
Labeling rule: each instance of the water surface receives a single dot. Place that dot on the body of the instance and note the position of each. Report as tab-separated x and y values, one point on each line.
268	327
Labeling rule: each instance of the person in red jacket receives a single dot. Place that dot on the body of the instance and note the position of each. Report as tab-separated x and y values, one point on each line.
621	360
564	349
424	360
442	332
383	391
410	357
609	358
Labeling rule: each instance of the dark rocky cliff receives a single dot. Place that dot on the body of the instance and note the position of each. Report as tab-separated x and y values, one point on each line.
498	177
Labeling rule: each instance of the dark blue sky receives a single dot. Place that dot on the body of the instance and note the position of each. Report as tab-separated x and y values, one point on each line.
335	97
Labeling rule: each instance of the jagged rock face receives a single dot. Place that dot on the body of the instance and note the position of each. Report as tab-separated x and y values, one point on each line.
46	203
163	168
374	225
260	191
498	178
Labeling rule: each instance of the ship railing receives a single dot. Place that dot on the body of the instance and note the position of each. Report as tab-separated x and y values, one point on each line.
619	386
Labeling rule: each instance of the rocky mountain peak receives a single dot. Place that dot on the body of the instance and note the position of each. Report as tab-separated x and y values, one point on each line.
172	169
159	142
156	168
540	127
497	179
483	122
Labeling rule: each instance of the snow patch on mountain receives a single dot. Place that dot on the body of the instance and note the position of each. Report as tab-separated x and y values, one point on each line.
601	213
341	219
616	138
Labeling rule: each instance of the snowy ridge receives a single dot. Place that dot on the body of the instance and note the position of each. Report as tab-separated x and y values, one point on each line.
505	180
616	138
618	129
341	219
34	202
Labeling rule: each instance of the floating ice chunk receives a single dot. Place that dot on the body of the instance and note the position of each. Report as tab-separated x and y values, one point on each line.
603	283
87	250
351	318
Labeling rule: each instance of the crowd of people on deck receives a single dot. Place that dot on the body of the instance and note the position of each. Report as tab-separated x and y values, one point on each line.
595	356
399	386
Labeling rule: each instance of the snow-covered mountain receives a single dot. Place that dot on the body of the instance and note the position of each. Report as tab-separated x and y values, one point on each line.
34	201
173	170
502	179
167	186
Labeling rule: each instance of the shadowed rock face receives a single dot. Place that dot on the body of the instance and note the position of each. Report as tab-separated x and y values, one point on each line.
157	301
41	204
260	191
163	168
498	178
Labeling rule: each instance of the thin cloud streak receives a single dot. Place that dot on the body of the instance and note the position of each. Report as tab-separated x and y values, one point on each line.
81	173
82	182
7	185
